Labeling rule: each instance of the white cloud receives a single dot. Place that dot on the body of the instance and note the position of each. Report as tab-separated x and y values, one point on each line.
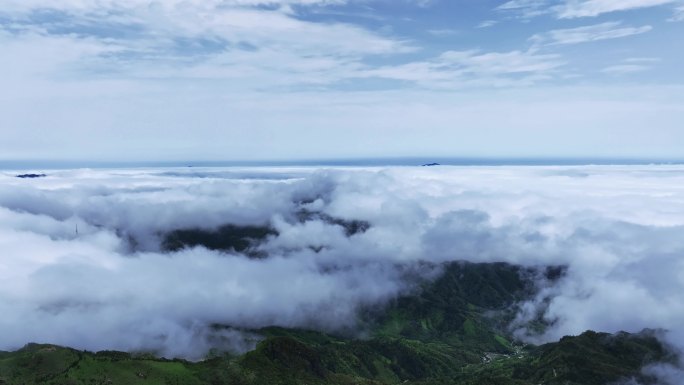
679	14
458	69
43	251
101	6
443	32
487	24
518	4
631	65
603	31
155	25
526	8
622	69
618	229
570	9
590	8
642	60
255	47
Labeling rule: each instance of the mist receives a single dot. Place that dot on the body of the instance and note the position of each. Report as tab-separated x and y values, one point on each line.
83	263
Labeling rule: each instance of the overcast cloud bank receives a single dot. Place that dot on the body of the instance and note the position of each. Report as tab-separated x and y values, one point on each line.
82	263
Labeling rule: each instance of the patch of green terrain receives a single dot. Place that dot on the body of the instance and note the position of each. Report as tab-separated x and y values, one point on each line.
451	331
245	239
468	307
351	227
49	364
229	237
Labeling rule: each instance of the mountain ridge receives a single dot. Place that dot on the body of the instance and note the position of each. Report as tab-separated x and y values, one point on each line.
449	331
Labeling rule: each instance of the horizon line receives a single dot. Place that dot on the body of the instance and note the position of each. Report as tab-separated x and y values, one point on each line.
351	162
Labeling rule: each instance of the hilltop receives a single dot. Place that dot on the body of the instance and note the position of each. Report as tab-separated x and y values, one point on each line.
450	331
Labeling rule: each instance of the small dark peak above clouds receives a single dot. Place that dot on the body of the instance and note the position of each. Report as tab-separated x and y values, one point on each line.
229	238
31	176
246	239
431	164
351	227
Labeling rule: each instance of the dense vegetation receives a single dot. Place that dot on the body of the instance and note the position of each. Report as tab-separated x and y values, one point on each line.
245	239
452	331
228	237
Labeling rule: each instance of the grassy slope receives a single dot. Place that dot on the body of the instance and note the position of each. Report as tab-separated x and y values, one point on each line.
440	335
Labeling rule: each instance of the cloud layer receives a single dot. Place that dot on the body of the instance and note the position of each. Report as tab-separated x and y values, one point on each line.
82	265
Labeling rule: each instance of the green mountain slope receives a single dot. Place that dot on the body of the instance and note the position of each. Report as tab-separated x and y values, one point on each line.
452	331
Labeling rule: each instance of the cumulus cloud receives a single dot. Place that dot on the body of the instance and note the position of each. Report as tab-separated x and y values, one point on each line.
618	230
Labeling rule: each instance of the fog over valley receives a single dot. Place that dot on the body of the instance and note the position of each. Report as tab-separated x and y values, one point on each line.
111	259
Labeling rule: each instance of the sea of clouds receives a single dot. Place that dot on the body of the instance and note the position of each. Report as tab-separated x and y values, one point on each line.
81	263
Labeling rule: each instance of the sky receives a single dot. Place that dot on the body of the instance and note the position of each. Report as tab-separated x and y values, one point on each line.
145	80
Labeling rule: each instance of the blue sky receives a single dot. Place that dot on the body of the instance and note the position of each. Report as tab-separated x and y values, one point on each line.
254	79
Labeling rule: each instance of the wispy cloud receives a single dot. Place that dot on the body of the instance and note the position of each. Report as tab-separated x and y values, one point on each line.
603	31
570	9
623	69
589	8
525	8
487	24
631	65
443	32
458	69
253	48
679	14
645	60
195	39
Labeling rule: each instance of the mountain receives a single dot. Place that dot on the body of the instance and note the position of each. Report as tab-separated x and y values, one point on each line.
449	331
